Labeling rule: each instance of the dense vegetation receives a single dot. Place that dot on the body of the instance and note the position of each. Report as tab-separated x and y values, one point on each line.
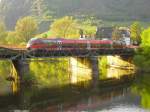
143	55
116	10
27	28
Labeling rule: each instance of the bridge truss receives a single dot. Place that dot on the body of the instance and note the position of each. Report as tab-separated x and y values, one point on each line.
6	53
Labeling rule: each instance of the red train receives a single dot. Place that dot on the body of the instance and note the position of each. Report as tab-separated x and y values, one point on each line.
66	44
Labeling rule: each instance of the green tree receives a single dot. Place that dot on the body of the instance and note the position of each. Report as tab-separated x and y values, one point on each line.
135	29
143	55
65	27
145	38
88	26
13	38
3	32
26	28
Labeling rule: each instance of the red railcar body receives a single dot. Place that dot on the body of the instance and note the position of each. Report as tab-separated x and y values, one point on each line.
66	44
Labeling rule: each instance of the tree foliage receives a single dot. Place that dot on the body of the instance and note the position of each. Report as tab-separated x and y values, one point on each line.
146	38
135	29
68	27
65	27
12	10
13	38
88	24
143	55
26	28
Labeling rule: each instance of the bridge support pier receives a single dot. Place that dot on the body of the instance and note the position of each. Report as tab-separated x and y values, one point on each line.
22	70
95	72
86	69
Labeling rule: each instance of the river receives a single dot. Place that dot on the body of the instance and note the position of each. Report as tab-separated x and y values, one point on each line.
118	90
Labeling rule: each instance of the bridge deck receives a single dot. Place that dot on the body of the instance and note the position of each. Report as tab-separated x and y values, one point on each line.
17	53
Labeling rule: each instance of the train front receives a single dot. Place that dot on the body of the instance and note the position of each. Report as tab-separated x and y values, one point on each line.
33	43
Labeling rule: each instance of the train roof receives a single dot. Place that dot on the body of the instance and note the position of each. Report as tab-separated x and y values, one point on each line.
34	39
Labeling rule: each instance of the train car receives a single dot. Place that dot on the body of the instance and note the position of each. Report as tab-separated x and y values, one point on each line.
68	44
39	43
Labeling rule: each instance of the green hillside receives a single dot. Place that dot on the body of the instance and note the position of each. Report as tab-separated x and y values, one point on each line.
108	10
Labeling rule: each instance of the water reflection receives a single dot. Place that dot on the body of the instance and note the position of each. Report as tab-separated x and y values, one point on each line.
80	70
117	73
85	102
53	88
5	86
142	88
54	72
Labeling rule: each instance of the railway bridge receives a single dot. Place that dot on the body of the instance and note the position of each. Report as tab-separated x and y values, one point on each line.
23	54
18	56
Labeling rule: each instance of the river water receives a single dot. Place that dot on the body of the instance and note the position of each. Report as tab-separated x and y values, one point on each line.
118	90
